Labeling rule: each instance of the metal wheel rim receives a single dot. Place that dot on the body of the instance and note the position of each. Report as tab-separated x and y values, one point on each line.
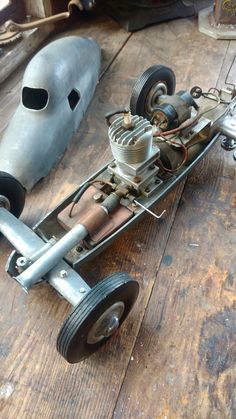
106	324
4	202
157	90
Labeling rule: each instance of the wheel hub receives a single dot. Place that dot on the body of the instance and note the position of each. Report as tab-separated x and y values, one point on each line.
4	202
107	323
159	89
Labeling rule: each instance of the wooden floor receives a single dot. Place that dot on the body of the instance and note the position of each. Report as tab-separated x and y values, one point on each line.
175	356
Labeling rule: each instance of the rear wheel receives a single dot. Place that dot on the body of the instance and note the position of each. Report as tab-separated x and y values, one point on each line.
156	81
97	317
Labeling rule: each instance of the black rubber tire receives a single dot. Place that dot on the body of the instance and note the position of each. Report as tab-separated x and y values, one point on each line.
13	191
72	339
153	75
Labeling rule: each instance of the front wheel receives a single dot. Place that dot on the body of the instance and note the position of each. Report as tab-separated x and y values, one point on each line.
97	317
12	194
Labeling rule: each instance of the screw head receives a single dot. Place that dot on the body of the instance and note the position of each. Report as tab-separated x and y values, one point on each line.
63	273
21	262
228	143
82	290
79	249
98	197
152	167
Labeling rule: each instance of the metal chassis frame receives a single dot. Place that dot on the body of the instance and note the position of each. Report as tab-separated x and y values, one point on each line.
161	192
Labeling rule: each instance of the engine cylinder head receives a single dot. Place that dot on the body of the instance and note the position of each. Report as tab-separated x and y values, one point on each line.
132	145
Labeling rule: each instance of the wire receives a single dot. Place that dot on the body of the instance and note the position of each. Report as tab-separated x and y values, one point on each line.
83	189
186	124
214	89
185	156
148	210
192	121
77	197
227	75
211	96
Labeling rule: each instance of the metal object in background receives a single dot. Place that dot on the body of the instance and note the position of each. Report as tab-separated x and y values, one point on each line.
225	11
11	26
8	37
150	159
210	20
58	85
136	14
11	31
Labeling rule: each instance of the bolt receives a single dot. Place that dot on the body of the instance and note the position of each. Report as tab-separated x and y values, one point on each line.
79	249
21	262
113	164
147	189
82	290
137	179
63	274
152	167
98	197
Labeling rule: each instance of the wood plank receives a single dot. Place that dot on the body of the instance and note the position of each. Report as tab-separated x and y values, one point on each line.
184	357
42	384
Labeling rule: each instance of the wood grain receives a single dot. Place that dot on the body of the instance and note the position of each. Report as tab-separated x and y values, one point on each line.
184	359
149	367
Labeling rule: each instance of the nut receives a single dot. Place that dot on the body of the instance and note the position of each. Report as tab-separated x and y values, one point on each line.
98	197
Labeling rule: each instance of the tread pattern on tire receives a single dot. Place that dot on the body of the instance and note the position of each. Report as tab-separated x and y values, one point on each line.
144	84
14	191
93	298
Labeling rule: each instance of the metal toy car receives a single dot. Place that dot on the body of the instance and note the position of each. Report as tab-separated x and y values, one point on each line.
154	147
58	85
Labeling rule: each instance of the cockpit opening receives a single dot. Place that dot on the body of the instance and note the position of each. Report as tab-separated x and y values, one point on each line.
35	99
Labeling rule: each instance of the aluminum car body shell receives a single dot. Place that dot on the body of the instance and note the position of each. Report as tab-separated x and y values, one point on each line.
35	139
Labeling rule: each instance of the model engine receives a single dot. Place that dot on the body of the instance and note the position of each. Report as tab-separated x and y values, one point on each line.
131	141
155	144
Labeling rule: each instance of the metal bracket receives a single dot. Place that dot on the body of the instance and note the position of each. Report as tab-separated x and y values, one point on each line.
59	274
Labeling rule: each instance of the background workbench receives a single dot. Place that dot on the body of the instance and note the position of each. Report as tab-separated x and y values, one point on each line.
175	355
